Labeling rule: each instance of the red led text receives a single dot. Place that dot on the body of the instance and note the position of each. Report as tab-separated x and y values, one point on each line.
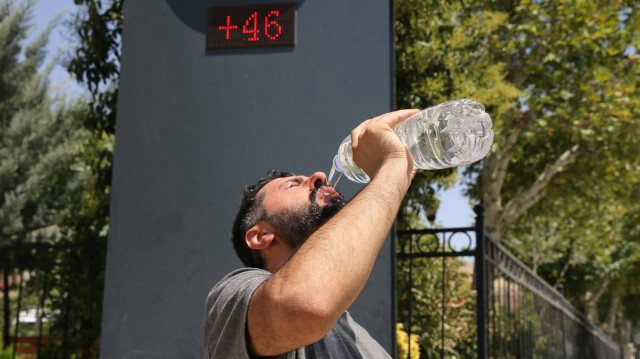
272	29
261	25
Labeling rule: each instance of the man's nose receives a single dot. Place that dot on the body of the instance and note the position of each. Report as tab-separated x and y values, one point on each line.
317	180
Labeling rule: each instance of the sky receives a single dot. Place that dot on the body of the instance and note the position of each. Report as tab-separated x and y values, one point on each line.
454	211
60	40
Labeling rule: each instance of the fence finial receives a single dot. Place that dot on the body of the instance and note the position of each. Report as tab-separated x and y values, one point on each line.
479	209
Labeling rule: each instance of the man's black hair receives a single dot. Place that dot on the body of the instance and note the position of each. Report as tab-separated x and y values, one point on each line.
250	212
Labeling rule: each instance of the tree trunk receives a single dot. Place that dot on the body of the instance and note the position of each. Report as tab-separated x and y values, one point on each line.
591	307
497	216
591	302
611	314
492	176
5	304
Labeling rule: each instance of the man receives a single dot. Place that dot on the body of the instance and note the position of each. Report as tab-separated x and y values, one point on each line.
308	257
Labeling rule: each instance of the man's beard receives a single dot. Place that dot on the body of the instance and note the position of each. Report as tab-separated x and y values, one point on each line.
295	226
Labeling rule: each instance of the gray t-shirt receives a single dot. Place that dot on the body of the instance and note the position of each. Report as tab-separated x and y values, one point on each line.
225	325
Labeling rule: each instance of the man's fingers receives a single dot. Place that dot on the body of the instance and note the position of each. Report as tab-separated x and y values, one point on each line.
396	117
357	131
391	119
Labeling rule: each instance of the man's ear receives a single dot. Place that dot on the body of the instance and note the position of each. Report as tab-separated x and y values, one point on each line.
260	236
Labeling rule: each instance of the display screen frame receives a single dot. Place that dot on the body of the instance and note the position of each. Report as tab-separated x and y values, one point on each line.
244	26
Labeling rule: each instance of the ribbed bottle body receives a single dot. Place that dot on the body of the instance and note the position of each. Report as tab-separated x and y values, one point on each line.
450	134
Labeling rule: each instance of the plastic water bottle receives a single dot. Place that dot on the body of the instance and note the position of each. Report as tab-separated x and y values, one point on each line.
453	133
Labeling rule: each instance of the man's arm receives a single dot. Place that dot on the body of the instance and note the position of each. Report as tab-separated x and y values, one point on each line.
302	301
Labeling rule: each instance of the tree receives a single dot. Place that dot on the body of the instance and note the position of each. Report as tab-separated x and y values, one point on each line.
560	81
558	78
38	135
39	139
95	63
589	247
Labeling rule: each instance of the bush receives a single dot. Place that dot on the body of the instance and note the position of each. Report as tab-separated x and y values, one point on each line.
6	353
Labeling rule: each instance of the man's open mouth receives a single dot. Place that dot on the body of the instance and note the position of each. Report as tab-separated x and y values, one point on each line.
325	193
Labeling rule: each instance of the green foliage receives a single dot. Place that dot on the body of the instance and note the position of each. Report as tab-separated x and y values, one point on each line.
74	296
426	305
591	243
55	168
6	353
96	63
78	293
38	136
557	73
554	76
98	27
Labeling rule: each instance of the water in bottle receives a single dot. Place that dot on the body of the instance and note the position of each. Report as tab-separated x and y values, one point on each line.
450	134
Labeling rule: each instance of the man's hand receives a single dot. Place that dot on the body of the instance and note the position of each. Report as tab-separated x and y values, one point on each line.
374	143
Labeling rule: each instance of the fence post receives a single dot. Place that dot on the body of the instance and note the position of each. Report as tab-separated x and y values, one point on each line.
481	284
564	337
5	304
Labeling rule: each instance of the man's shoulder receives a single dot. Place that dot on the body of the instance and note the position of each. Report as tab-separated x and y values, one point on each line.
226	310
243	274
239	281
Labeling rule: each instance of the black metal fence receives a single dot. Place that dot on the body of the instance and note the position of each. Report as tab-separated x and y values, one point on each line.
517	314
51	297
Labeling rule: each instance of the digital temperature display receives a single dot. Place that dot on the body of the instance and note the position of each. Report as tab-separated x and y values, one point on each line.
251	26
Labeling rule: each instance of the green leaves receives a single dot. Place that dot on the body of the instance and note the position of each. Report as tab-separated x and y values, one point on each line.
38	136
426	301
95	62
552	75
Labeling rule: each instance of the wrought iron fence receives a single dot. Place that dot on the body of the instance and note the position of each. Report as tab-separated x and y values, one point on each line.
51	297
517	314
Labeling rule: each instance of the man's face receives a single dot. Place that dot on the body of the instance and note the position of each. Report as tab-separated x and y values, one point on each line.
298	205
